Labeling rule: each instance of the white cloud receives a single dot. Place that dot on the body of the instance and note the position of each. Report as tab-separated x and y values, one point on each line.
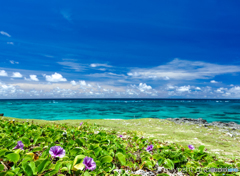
56	77
72	65
183	70
231	85
213	81
198	88
3	73
13	62
233	92
166	78
143	86
102	69
83	83
10	43
100	65
17	75
32	78
73	83
4	33
221	90
184	89
169	87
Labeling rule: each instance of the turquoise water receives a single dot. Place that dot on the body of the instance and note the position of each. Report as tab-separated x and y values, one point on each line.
210	110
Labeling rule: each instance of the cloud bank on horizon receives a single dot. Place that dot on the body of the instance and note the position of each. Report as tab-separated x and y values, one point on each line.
120	49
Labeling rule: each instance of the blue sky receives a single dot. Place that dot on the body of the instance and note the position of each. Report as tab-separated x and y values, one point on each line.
108	49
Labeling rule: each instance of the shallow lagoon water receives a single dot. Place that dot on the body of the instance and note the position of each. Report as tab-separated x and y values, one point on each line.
210	110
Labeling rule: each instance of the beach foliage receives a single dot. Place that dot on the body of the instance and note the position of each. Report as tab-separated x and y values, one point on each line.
59	149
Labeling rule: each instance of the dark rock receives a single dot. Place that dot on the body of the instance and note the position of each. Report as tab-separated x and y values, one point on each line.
200	121
2	114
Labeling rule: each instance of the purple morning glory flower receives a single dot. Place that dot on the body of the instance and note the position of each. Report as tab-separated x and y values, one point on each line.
57	151
19	145
120	136
81	123
191	147
149	148
89	163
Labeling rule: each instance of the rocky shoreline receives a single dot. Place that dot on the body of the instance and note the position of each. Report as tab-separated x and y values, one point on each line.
204	123
231	129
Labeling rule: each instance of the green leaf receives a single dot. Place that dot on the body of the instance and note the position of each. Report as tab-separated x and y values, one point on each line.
163	174
76	151
40	140
86	173
106	159
64	169
33	167
79	166
17	151
121	158
27	169
42	165
2	152
157	156
78	159
26	141
1	167
10	173
15	170
168	164
36	149
148	164
201	148
14	157
80	142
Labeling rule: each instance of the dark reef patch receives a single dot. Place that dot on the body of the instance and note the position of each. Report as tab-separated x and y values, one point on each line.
218	114
231	112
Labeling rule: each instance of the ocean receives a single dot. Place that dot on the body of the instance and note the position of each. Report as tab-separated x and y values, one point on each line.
63	109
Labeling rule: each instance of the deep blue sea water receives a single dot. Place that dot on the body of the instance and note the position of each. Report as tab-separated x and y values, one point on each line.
210	110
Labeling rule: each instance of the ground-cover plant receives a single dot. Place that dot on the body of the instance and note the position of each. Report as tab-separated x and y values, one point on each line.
31	149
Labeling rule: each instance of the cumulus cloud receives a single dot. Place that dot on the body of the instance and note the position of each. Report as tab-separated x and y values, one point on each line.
99	65
213	81
83	83
32	78
82	90
183	70
143	86
221	90
73	83
3	73
56	77
233	92
184	89
17	75
5	33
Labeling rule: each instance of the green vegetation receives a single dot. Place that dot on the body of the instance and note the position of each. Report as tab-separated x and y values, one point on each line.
104	146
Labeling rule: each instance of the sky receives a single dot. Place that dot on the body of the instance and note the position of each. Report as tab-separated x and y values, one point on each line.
119	49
